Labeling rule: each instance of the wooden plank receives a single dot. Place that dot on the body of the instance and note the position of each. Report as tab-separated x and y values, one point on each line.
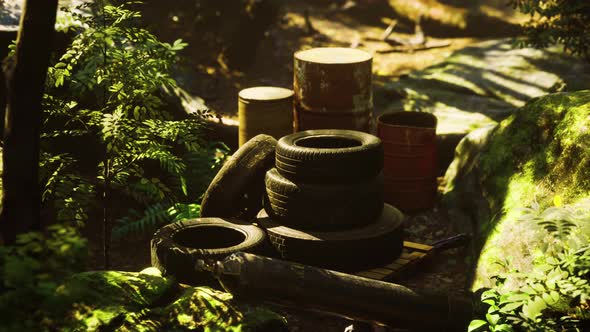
418	255
394	266
412	254
403	261
408	255
417	246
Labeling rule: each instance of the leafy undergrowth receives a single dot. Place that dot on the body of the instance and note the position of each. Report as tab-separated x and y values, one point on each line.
41	289
553	295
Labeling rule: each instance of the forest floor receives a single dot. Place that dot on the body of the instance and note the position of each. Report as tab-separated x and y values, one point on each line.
447	272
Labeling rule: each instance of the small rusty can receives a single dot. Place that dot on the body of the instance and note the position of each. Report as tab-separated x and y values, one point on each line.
264	110
333	89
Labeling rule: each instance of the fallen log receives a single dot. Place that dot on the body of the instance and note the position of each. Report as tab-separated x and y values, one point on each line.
290	284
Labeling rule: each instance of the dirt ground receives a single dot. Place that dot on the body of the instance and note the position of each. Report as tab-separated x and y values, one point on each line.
446	273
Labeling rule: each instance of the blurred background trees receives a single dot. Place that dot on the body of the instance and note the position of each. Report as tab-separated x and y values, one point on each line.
557	21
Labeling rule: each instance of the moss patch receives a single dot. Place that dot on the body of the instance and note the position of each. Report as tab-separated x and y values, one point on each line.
541	151
211	310
127	301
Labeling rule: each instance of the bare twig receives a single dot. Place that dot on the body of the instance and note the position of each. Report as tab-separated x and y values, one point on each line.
419	38
391	40
356	41
389	30
413	48
309	29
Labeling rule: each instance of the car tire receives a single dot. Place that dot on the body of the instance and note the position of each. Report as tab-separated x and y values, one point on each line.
348	251
328	207
236	191
175	248
329	156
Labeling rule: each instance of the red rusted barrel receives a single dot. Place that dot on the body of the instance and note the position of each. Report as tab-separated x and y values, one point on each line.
265	110
333	89
410	159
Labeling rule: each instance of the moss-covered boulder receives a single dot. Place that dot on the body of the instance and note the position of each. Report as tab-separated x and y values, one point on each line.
483	84
97	300
541	151
127	301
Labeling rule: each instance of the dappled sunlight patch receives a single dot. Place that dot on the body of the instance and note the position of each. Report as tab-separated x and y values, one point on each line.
490	79
125	288
204	307
503	85
454	120
458	78
128	301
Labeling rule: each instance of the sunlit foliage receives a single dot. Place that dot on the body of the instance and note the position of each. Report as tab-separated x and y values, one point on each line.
557	21
555	295
111	137
31	271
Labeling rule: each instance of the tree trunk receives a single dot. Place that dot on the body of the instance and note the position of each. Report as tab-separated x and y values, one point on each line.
25	83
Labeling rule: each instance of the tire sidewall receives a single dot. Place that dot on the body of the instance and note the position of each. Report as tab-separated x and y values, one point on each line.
178	260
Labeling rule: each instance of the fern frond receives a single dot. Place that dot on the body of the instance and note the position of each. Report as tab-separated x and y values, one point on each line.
185	211
152	216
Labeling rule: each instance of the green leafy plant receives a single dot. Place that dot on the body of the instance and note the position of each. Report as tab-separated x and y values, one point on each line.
30	272
555	296
559	221
557	21
112	143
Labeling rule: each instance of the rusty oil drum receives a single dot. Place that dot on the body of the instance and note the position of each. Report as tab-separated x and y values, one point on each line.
410	159
264	110
332	88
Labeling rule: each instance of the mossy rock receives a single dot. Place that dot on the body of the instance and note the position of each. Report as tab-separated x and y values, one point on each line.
483	84
212	310
127	301
541	151
100	300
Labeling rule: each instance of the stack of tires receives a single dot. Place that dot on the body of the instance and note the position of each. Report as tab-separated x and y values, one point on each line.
323	202
231	202
316	197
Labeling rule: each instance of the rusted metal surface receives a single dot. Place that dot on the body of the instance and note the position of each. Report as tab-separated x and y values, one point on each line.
305	120
333	89
410	159
264	110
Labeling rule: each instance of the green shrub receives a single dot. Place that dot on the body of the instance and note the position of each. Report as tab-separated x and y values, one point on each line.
110	138
31	271
557	21
555	296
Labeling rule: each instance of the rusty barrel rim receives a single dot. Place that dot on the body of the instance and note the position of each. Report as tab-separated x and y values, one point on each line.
408	119
333	55
264	94
333	78
264	110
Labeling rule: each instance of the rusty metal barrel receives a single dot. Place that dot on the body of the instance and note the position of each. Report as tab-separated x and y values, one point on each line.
333	89
264	110
410	159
